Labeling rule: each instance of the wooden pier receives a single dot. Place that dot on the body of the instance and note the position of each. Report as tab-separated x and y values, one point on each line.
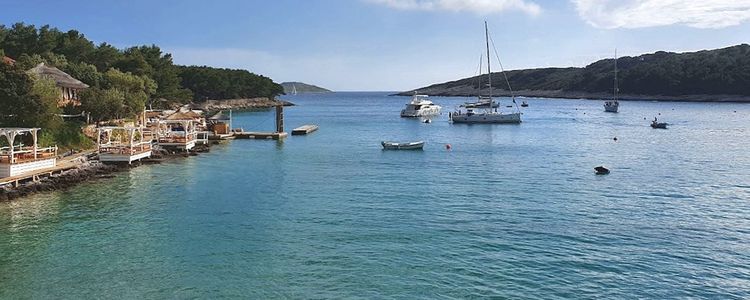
63	165
277	135
259	135
305	129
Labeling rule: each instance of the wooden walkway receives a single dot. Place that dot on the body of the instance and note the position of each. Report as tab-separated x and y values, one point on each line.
63	165
260	135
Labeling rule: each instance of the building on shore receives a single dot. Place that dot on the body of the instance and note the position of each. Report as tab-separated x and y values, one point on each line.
70	88
122	144
177	134
22	154
220	125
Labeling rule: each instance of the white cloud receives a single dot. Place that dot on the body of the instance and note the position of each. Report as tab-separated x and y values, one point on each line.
476	6
649	13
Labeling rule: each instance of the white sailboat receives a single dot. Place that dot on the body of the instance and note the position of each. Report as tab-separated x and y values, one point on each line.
486	111
613	105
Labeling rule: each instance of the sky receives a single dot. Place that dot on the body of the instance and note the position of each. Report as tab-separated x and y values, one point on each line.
393	45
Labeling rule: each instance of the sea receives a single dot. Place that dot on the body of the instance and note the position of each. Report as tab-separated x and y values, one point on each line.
508	212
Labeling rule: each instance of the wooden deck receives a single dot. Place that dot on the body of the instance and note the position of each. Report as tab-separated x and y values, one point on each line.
305	129
260	135
62	166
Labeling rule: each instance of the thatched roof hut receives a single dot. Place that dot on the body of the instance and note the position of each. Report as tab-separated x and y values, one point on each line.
61	78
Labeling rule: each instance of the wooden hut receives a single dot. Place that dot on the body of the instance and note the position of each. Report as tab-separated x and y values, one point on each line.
17	158
122	144
177	134
70	88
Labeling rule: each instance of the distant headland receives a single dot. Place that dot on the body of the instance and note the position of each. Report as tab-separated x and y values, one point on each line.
720	75
299	88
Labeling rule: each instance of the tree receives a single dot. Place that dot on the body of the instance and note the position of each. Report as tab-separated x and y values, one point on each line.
84	72
25	102
75	46
105	56
133	61
102	104
45	94
135	90
20	39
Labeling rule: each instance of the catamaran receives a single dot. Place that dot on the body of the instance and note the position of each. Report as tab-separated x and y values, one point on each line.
486	110
613	105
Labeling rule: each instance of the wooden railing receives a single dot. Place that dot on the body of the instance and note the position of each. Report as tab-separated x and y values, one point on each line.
25	154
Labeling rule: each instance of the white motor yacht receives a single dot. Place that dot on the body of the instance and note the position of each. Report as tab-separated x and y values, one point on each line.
420	106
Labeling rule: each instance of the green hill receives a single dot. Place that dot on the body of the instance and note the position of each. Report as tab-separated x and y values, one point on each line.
709	75
290	87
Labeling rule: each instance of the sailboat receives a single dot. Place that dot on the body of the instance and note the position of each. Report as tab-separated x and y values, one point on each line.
486	110
613	105
294	89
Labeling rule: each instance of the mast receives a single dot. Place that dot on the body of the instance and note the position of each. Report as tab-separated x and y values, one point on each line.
617	90
489	71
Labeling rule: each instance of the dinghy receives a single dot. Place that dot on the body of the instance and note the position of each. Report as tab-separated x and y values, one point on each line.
402	146
658	125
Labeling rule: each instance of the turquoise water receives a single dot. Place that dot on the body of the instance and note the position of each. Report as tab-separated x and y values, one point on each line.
512	211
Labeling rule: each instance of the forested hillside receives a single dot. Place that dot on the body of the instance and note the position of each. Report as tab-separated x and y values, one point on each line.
710	72
78	56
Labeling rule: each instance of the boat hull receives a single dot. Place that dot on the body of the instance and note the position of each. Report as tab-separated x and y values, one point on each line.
486	118
424	112
402	146
611	107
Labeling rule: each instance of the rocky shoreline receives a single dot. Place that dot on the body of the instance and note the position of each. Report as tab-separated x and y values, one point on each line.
86	171
239	104
464	92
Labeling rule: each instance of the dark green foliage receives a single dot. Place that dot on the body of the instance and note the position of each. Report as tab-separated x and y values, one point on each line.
105	56
103	104
25	102
712	72
20	39
84	72
214	83
73	53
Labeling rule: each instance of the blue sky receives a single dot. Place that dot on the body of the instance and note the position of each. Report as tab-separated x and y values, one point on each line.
389	45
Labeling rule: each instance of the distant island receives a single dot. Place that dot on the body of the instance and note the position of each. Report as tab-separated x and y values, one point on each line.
299	87
721	75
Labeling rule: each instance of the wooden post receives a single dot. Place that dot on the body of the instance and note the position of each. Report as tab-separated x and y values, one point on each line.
98	140
279	118
11	136
33	134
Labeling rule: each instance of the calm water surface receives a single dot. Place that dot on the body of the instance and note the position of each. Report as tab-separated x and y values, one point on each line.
512	211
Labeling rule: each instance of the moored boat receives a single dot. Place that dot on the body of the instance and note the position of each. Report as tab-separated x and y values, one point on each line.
658	125
613	105
420	106
402	146
485	111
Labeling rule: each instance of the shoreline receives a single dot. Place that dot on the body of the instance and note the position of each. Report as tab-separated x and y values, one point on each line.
86	171
239	104
586	96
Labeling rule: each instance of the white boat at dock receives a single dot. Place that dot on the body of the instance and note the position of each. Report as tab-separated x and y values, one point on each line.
420	106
